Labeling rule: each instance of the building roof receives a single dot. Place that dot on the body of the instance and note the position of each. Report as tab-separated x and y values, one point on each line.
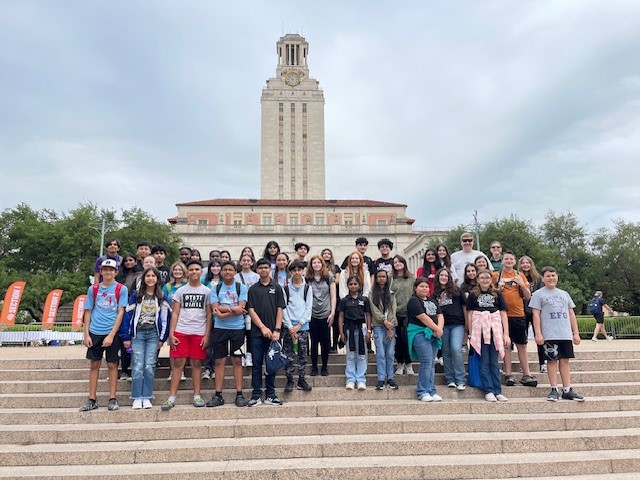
241	202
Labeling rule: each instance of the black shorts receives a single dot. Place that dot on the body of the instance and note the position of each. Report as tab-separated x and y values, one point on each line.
599	318
557	349
96	352
518	331
227	342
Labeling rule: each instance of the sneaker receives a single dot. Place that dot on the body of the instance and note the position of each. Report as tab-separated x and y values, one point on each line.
490	397
501	398
206	374
439	361
125	376
509	381
594	339
553	395
113	405
324	372
168	405
314	371
248	360
146	403
362	386
254	402
609	338
198	402
289	386
240	401
137	404
216	401
169	377
90	405
451	384
528	381
380	385
392	385
350	386
274	400
543	368
436	398
333	350
408	369
183	377
303	385
400	369
426	398
571	395
461	387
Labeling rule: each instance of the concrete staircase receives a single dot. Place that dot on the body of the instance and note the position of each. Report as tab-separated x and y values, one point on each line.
327	433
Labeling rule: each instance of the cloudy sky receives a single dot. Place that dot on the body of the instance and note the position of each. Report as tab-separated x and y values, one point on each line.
450	107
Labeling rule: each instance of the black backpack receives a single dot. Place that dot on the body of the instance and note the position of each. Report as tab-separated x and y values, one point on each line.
219	287
287	293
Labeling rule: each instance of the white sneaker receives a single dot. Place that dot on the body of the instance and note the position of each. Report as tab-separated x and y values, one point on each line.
609	338
146	403
438	361
400	369
137	404
169	377
426	398
408	369
350	386
362	386
594	339
501	398
206	374
183	377
436	398
461	387
451	385
248	360
490	397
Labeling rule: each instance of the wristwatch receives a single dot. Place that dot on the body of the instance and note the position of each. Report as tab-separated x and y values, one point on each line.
276	330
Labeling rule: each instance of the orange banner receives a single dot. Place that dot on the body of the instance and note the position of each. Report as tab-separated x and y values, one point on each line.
77	316
50	311
12	303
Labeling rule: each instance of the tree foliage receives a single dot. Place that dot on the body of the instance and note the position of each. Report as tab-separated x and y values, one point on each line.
51	250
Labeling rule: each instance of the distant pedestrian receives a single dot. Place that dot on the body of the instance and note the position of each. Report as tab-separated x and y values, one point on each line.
596	308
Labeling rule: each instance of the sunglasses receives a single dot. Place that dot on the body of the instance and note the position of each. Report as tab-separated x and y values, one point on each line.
467	240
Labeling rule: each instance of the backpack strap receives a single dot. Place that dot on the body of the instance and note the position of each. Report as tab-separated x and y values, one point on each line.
285	289
118	289
96	286
306	290
219	287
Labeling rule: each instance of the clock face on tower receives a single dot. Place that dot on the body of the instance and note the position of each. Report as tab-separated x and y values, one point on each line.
292	79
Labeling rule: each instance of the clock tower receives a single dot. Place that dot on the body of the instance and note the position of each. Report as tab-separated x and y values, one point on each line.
292	136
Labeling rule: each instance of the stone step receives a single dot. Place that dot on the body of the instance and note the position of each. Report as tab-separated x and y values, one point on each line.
145	426
602	406
75	399
54	385
443	467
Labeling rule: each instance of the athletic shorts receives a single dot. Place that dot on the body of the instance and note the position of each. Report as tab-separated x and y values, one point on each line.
518	331
599	318
188	347
227	343
97	351
557	349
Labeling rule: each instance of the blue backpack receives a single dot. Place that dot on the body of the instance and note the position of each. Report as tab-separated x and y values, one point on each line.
594	306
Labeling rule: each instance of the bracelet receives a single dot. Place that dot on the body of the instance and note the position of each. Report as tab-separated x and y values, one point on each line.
276	330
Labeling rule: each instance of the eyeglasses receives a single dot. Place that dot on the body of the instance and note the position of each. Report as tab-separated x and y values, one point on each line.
467	240
496	246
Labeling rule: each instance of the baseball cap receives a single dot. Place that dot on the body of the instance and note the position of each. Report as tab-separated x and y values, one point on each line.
109	263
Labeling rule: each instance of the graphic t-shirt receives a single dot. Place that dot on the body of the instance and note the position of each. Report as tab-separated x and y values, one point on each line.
486	302
554	305
148	311
418	306
452	308
228	297
385	264
194	307
105	309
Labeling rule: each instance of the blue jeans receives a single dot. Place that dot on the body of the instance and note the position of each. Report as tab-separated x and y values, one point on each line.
489	369
356	368
259	348
144	348
385	350
426	351
452	354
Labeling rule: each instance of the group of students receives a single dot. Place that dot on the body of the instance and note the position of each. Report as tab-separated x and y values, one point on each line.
236	310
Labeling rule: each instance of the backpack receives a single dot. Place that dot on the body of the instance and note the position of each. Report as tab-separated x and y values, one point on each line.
219	287
287	293
594	306
96	287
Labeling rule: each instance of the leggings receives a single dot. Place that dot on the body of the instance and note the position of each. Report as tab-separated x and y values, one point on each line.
319	336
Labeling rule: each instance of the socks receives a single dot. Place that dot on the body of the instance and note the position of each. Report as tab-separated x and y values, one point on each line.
172	398
566	389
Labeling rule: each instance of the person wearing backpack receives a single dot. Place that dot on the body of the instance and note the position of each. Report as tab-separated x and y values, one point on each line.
596	308
296	317
228	301
103	311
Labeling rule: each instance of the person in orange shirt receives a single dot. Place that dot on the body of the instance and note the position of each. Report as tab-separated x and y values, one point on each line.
515	288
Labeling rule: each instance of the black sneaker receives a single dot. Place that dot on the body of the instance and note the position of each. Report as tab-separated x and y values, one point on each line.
113	405
240	401
324	372
553	395
125	376
380	385
254	402
571	395
303	385
392	385
216	401
289	387
90	405
314	372
509	381
274	400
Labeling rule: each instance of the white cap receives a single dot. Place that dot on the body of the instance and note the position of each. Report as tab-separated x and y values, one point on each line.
109	263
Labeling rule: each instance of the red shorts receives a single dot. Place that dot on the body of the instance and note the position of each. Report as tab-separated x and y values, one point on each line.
188	346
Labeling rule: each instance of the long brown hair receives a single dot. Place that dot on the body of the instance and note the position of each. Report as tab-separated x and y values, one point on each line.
142	289
360	270
533	272
324	272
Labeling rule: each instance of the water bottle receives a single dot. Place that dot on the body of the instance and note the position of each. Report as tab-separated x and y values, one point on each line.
128	350
295	346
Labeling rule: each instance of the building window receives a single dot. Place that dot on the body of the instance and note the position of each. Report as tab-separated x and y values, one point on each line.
293	108
304	108
203	222
293	219
319	219
381	223
281	107
348	218
266	218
